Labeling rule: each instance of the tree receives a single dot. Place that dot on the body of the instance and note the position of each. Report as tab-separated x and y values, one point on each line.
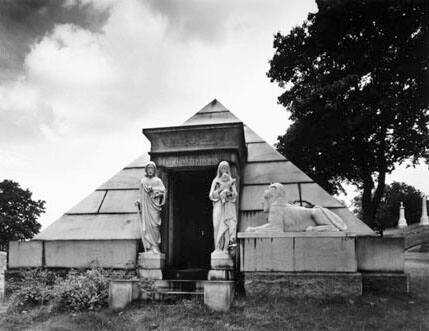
388	212
356	81
18	213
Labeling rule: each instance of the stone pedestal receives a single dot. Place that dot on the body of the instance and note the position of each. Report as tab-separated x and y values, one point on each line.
218	295
222	266
122	293
150	265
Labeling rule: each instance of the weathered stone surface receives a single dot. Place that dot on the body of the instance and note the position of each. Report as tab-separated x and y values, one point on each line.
120	201
150	273
272	172
320	285
221	260
218	295
297	251
25	254
82	253
267	254
380	254
386	282
90	204
262	152
150	260
122	293
330	254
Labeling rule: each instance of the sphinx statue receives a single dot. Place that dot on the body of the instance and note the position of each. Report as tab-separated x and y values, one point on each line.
286	217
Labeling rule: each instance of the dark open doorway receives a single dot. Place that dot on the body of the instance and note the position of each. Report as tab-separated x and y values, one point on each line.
192	239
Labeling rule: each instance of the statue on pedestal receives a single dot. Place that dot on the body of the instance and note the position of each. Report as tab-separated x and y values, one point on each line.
152	198
285	217
223	194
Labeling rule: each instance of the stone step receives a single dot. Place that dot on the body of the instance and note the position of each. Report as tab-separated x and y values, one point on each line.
180	285
169	295
185	274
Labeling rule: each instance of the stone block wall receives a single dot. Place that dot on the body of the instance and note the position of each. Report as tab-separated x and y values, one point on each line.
297	252
3	264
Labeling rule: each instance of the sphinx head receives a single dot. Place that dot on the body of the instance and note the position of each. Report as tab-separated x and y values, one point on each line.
274	192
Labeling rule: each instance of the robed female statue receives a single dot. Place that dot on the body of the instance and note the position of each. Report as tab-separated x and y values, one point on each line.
223	194
152	198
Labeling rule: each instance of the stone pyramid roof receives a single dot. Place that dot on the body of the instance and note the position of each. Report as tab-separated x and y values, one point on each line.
109	211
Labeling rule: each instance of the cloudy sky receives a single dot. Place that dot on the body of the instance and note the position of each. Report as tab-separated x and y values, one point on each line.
79	79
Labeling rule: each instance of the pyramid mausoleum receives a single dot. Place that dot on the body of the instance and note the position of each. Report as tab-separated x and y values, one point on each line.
103	227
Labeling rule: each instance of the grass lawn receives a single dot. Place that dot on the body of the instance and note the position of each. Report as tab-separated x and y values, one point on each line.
370	312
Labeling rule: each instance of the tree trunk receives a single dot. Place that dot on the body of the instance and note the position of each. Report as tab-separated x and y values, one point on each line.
370	202
367	199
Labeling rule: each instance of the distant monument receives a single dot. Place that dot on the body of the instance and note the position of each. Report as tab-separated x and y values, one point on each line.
424	219
402	222
285	217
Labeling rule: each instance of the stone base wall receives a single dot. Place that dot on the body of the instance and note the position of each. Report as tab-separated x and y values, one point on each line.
3	265
319	285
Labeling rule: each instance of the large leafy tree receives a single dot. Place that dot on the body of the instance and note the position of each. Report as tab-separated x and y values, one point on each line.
355	79
18	213
388	212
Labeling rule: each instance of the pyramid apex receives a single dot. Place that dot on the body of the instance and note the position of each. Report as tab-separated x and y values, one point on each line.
213	107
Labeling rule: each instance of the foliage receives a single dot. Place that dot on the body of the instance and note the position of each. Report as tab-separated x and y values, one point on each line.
18	213
87	291
355	79
34	289
388	213
76	292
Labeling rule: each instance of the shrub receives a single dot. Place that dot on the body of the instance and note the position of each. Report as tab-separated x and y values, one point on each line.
78	291
35	288
87	291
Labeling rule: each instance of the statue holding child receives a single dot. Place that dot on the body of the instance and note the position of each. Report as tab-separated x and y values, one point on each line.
223	194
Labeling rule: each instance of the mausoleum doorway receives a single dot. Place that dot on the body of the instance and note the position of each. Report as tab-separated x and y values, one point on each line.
190	228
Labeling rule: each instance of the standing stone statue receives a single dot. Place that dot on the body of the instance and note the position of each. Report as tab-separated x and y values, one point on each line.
223	194
152	198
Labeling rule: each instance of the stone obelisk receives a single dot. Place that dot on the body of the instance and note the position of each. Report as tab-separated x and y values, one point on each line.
424	219
402	222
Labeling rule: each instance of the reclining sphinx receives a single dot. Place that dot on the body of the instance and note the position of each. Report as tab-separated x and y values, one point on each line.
285	217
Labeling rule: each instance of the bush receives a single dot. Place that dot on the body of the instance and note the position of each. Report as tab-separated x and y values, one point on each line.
87	291
35	288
